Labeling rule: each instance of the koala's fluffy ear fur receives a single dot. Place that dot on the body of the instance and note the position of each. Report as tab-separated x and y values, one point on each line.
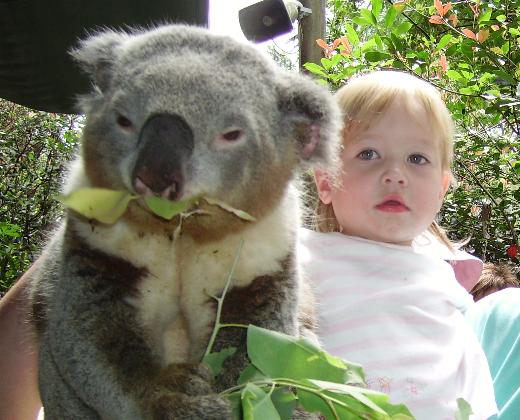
315	116
97	55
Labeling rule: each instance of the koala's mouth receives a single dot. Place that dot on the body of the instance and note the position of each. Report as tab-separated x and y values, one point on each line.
167	209
107	206
171	192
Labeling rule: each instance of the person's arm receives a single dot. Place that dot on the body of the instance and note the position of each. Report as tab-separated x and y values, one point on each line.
19	396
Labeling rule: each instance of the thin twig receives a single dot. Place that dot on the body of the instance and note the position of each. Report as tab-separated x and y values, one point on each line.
220	301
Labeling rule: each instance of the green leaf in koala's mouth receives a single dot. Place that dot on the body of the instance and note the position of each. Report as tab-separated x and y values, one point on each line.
98	203
168	209
107	206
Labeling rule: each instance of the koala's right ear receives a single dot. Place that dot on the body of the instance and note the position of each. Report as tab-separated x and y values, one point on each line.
96	55
315	117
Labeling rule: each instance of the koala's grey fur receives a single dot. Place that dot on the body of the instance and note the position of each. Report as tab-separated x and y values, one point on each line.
123	311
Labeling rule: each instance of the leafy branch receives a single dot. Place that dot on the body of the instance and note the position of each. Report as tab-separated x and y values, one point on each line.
299	371
220	302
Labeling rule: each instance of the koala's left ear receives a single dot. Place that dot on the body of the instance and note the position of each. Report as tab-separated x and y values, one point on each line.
315	118
97	55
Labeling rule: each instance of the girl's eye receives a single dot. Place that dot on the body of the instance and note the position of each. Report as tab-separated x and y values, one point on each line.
417	159
123	122
368	154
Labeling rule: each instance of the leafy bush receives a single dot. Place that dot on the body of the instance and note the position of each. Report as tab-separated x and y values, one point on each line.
471	52
34	147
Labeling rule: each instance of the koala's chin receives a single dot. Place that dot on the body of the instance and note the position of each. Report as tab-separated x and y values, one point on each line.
124	311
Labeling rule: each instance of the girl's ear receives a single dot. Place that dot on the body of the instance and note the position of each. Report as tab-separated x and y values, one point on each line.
446	182
323	185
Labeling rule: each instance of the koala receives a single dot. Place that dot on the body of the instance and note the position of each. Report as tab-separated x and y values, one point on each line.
124	311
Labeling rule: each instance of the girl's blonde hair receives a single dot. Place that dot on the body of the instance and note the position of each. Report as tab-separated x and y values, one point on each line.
362	101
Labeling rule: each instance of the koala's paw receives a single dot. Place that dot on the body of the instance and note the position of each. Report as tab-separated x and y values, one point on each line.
185	391
186	378
181	406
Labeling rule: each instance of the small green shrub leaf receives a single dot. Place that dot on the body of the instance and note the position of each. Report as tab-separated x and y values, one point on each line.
390	16
352	35
377	6
445	40
402	28
315	69
376	56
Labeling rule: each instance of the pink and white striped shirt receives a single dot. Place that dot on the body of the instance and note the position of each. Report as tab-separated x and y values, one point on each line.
398	313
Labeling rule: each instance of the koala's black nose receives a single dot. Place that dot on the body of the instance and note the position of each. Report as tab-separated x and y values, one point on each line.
166	144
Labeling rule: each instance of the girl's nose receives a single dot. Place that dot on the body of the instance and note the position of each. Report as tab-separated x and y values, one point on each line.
394	175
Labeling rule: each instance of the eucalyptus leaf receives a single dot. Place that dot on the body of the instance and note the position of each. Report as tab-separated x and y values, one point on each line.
101	204
235	400
278	355
239	213
216	360
355	392
313	403
251	374
464	411
107	206
356	403
168	209
285	402
374	400
257	404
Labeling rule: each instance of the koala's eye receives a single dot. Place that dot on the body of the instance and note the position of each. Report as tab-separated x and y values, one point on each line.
124	122
231	136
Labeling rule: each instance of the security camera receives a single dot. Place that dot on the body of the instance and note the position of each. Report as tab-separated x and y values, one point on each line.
270	18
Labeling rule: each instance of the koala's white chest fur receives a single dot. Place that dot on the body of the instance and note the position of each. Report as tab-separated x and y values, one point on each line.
174	302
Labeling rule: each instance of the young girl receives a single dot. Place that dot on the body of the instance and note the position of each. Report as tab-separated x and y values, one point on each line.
385	301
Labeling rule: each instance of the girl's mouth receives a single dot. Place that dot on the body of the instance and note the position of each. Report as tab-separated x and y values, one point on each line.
392	206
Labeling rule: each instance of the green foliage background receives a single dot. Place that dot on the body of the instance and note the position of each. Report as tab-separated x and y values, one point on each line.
478	74
34	147
479	78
